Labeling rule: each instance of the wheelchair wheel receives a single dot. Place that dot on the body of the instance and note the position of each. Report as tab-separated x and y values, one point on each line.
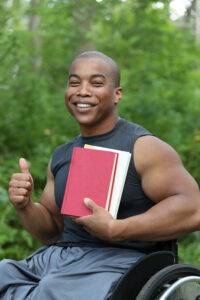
158	283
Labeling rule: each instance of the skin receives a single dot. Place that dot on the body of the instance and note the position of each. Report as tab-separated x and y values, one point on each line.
42	219
164	179
91	82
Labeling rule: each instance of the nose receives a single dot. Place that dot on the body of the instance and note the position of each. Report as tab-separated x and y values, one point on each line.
84	90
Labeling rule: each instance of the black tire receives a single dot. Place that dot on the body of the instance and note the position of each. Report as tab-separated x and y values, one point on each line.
156	285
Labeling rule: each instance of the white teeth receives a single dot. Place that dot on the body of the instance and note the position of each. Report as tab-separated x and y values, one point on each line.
83	105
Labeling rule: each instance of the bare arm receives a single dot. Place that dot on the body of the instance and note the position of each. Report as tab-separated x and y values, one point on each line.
171	187
41	219
165	182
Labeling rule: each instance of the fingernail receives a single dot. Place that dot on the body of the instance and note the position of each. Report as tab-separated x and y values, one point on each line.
86	200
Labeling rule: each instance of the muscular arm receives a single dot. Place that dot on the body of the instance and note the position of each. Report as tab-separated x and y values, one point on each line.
41	219
171	187
165	182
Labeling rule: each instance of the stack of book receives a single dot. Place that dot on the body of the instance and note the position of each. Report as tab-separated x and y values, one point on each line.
97	173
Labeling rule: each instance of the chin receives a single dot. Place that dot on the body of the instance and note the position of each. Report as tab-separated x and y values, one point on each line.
82	118
86	123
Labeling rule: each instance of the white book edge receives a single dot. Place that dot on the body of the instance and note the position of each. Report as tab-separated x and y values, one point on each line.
120	176
111	181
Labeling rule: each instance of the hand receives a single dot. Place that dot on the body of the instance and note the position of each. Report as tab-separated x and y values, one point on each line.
21	186
100	223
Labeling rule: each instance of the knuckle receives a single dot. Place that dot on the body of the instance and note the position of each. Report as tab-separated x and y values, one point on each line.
29	183
23	192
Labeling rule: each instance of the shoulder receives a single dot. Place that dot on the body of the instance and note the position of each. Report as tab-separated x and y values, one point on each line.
130	132
161	171
60	155
134	128
150	151
64	148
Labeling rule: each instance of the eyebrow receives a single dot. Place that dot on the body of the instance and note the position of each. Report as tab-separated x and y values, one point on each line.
93	76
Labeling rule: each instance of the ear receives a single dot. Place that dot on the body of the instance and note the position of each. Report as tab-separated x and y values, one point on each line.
118	95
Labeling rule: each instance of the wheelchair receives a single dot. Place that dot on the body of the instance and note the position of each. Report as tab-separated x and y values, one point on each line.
159	276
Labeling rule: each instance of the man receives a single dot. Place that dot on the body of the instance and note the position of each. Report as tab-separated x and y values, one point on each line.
86	256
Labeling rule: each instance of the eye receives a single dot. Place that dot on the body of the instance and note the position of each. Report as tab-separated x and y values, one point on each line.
74	83
97	83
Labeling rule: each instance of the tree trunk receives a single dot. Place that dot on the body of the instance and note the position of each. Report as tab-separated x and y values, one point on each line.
33	25
197	20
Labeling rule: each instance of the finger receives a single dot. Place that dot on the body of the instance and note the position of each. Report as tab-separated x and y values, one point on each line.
18	192
20	184
82	220
23	164
18	199
21	177
91	204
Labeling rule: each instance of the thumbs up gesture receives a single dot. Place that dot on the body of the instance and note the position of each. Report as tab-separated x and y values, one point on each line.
23	165
21	186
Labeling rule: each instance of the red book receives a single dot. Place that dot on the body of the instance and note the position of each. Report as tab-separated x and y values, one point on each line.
91	175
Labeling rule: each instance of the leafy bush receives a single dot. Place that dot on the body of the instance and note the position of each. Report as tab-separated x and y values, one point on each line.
160	76
15	242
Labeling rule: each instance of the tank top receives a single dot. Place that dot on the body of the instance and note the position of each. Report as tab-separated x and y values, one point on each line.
133	201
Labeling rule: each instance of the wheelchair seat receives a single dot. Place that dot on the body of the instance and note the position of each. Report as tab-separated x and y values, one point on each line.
157	275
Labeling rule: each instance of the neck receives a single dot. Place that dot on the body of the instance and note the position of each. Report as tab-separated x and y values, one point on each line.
99	128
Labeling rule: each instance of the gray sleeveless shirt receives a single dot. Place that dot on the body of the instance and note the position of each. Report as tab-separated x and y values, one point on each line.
134	201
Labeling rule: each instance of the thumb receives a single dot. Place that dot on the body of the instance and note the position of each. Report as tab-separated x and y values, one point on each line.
23	164
90	204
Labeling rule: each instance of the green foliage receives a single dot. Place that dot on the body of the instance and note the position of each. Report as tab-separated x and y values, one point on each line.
38	40
189	249
15	242
160	73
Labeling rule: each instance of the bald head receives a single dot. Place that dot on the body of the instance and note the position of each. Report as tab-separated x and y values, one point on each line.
106	59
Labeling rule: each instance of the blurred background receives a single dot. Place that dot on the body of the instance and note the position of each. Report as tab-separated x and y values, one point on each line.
157	46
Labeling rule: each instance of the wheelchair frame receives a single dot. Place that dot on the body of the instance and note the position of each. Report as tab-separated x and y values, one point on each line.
154	276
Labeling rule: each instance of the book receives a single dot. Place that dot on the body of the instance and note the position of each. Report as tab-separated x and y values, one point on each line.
91	175
97	173
120	176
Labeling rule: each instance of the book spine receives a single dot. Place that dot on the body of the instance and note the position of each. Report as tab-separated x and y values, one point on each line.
112	182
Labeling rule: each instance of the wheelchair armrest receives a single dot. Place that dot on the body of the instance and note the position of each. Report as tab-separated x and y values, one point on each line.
134	279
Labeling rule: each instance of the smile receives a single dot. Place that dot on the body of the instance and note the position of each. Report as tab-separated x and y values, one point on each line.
84	105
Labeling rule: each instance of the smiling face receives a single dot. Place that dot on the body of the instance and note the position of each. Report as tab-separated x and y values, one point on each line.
91	95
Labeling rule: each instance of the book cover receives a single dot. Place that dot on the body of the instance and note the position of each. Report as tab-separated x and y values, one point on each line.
120	177
91	175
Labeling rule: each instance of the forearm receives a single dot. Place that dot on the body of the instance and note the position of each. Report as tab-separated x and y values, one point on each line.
38	221
166	220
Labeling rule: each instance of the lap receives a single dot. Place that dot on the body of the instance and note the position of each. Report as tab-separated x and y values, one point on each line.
74	272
